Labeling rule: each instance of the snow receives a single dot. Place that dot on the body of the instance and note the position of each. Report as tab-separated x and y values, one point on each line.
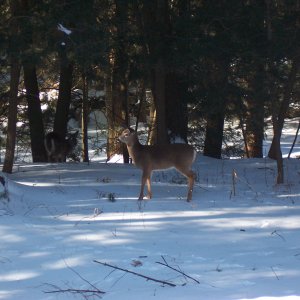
63	29
238	238
60	218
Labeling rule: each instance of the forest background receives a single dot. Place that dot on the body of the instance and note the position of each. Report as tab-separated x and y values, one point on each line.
181	67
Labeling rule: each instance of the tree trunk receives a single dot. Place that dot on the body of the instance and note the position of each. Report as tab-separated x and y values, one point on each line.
15	68
295	140
84	119
64	96
284	106
217	98
12	116
152	134
214	132
117	86
115	121
34	113
277	117
155	16
176	114
159	95
254	118
32	90
111	139
278	153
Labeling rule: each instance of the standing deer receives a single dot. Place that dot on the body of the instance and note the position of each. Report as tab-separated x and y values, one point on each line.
57	148
159	157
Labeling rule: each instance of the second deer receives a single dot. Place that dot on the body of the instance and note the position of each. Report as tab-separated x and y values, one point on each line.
57	148
159	157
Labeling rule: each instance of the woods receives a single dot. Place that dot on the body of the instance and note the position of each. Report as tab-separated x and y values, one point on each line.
183	68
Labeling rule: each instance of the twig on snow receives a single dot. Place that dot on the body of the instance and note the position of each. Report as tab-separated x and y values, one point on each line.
165	263
85	280
136	274
275	232
86	293
274	273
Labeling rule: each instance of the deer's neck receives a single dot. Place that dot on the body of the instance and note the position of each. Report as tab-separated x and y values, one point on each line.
134	149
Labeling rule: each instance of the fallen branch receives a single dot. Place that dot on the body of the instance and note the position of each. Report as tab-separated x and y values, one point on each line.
134	273
84	292
275	273
276	232
176	270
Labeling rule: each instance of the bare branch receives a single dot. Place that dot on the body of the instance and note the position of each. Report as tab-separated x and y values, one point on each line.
86	293
136	274
176	270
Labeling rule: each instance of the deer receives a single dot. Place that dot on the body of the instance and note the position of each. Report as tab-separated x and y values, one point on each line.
57	147
159	157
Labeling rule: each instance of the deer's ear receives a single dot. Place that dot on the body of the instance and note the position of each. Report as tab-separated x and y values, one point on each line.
126	131
131	130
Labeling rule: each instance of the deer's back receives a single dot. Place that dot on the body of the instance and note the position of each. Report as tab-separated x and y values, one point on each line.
164	156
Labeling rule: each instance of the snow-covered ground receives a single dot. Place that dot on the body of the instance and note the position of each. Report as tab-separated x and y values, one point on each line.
62	217
238	239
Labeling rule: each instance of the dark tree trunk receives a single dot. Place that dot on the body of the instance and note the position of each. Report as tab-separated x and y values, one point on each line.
159	53
254	132
278	118
295	140
176	114
12	116
64	96
159	95
155	26
214	132
15	68
176	78
117	86
34	113
32	90
84	119
217	98
277	150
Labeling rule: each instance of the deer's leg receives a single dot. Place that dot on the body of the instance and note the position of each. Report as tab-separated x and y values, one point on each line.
145	178
191	179
149	196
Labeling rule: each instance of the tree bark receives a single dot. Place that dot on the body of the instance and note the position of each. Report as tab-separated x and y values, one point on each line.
277	150
84	119
64	96
34	113
117	85
152	134
295	140
159	94
32	90
176	114
12	116
254	117
278	118
155	27
214	132
15	68
216	108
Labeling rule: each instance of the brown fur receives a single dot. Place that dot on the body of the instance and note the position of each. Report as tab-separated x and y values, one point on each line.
159	157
